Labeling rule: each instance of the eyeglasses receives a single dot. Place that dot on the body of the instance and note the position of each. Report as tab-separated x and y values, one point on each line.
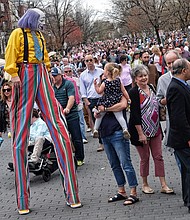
6	90
90	60
69	71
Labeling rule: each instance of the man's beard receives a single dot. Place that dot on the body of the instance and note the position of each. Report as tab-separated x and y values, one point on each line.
146	63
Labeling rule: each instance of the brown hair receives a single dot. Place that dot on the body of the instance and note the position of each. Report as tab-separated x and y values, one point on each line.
2	96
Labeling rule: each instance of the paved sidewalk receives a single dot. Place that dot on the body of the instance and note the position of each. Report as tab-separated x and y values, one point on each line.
96	184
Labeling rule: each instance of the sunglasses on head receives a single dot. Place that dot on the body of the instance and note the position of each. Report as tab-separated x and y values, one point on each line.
68	71
6	90
90	60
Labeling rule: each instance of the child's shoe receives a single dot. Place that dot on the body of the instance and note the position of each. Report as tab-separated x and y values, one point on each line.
126	134
95	110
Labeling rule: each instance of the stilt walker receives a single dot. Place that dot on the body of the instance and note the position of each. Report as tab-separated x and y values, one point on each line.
28	63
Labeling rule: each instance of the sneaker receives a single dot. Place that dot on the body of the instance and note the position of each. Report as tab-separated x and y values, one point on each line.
89	130
10	167
126	134
95	134
9	134
74	206
33	161
100	148
80	162
1	141
24	211
84	141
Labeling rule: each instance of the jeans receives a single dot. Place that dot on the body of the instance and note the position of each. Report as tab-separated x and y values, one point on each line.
82	123
118	153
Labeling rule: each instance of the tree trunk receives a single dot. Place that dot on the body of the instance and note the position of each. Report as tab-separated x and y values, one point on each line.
157	35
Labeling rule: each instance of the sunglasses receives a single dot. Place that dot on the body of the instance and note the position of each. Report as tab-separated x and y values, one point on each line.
90	60
6	90
69	71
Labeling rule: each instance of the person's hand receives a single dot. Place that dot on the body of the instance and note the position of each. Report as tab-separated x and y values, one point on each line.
87	103
97	115
189	143
143	139
16	81
163	101
66	111
95	81
101	108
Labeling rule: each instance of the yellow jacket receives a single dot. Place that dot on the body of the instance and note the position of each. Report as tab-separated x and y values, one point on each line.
15	51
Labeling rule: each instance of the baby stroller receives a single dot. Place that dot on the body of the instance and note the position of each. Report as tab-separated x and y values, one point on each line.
46	166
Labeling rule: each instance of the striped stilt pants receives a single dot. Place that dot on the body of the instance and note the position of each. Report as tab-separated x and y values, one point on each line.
36	87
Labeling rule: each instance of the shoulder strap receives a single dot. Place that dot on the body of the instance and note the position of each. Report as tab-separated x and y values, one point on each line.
42	45
25	58
152	87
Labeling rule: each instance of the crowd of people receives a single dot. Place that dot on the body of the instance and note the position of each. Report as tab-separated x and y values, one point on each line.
92	87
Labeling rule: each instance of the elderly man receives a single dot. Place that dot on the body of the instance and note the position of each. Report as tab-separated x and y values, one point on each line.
178	104
162	86
65	62
88	92
65	94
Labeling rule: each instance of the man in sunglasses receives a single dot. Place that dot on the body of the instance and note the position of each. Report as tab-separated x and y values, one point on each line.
88	92
65	94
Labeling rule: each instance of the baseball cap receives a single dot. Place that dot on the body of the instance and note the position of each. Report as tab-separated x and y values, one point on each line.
55	71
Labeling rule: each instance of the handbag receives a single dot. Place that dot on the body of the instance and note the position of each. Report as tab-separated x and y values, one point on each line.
162	113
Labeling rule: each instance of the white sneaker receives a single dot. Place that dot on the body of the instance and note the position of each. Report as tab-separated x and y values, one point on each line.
84	141
88	130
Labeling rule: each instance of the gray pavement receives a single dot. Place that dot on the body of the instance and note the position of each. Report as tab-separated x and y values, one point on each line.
96	184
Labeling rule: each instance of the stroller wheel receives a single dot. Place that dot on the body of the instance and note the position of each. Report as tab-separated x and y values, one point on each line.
46	175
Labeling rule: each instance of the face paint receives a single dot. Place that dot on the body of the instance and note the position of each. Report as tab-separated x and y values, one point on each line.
41	21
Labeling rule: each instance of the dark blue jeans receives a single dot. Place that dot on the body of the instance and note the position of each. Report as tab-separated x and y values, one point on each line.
118	153
74	130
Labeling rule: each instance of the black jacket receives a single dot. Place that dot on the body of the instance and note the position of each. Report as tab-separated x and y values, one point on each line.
3	122
178	103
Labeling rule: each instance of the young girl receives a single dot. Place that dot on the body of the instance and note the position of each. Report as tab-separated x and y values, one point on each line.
113	91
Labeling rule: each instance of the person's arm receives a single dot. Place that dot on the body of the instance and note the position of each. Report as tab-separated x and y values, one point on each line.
70	90
70	103
160	93
142	137
125	93
11	55
99	88
115	108
83	92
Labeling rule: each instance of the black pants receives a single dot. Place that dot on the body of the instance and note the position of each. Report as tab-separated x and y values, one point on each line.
184	157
